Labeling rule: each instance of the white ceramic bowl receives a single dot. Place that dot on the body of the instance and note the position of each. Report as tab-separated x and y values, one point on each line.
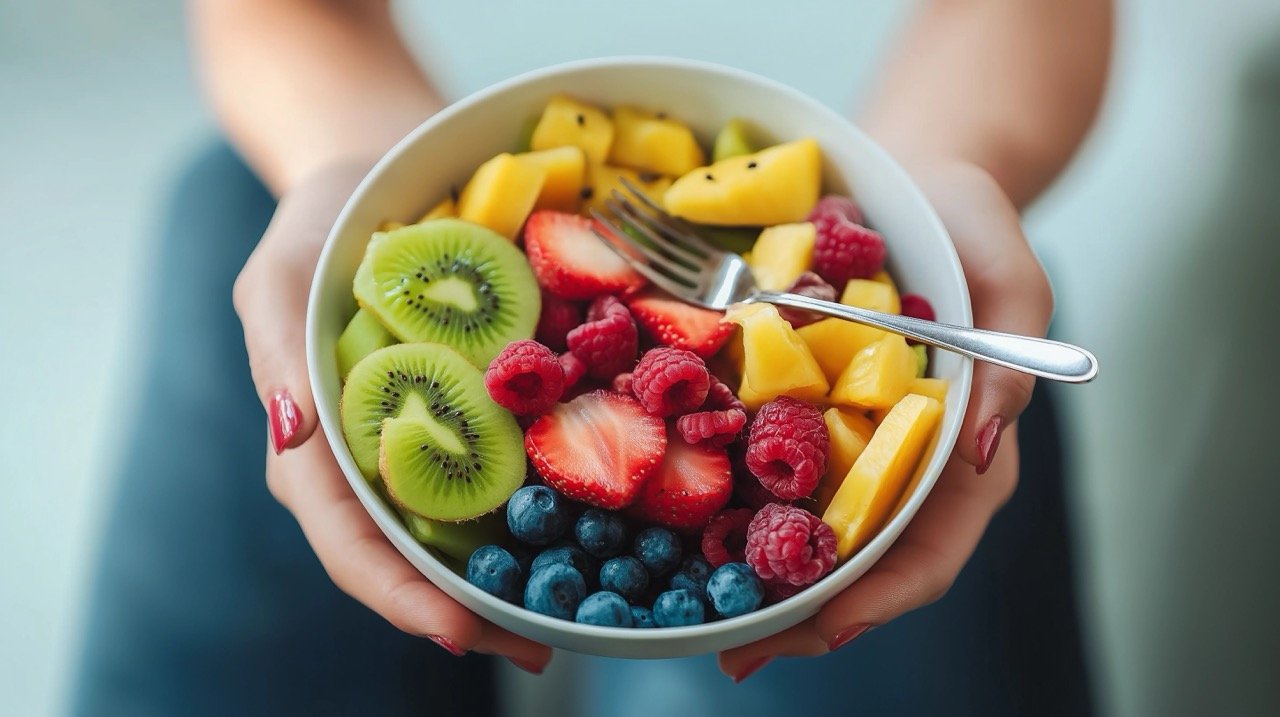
449	146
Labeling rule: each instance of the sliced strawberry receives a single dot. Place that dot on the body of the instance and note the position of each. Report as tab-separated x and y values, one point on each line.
598	448
672	322
570	261
692	484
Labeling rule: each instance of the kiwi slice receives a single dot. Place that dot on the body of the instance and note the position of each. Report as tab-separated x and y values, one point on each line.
363	336
457	540
450	282
734	239
419	415
732	141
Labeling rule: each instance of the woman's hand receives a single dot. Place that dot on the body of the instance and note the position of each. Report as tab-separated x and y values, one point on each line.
271	299
1010	293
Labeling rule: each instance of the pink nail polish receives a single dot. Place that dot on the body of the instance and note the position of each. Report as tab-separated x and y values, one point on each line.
447	644
847	635
751	669
284	419
988	442
530	667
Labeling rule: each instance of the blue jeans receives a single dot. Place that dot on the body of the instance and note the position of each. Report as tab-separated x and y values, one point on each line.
207	599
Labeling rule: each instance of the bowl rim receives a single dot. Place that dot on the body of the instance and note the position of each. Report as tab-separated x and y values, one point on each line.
383	515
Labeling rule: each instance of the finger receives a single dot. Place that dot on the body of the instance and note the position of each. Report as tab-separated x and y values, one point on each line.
527	655
802	640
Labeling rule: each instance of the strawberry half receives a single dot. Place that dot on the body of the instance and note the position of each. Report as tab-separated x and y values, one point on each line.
598	448
692	484
570	261
672	322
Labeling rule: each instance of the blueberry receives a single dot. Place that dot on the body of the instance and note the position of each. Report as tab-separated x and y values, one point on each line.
733	589
642	617
555	590
676	608
568	554
496	572
524	555
537	515
625	576
659	550
605	608
599	533
693	576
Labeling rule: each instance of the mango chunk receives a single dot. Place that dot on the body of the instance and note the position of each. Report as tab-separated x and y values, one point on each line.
935	388
874	484
778	185
834	342
501	194
446	208
567	122
566	170
775	360
878	375
603	179
781	254
653	142
850	432
884	277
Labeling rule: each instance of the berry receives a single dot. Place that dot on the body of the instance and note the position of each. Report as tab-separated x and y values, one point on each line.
675	323
721	398
670	381
790	544
574	369
570	261
598	448
537	515
555	590
811	285
690	486
692	576
658	549
843	248
838	206
622	384
607	343
776	591
565	554
599	533
917	306
733	589
715	428
625	576
604	608
642	617
788	446
724	540
496	572
677	608
526	378
557	319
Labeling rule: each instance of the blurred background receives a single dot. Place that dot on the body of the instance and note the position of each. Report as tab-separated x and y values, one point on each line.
1163	241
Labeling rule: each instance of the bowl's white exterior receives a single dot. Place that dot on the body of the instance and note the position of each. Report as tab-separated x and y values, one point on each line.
444	150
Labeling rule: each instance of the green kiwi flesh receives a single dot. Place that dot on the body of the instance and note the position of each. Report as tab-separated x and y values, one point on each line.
732	141
418	415
457	540
734	239
450	282
363	336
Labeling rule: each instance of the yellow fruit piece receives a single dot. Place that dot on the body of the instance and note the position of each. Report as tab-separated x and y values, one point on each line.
775	360
655	143
850	432
778	185
501	194
872	294
390	225
566	170
935	388
567	122
883	277
446	208
834	342
781	254
603	179
875	483
878	376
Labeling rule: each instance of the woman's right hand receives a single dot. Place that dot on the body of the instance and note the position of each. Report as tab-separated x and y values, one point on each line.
271	299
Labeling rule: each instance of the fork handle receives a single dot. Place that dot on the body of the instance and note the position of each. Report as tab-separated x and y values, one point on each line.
1040	357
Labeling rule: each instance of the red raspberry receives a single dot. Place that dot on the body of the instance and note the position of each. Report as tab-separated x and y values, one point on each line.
526	378
670	381
811	285
724	540
917	306
721	398
776	591
558	318
788	446
717	428
574	369
749	492
844	249
608	341
622	384
790	544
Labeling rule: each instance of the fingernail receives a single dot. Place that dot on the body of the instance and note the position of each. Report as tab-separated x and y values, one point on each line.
751	669
447	644
847	635
988	442
530	667
284	418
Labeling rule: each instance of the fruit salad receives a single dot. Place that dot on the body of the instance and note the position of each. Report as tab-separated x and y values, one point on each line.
577	442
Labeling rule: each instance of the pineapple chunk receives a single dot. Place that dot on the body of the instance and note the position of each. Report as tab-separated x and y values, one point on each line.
835	342
649	142
781	254
501	194
778	185
569	123
874	484
935	388
603	179
850	432
872	294
775	361
883	277
878	376
566	169
446	208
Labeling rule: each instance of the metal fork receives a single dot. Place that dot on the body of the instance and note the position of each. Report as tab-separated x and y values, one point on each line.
675	258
